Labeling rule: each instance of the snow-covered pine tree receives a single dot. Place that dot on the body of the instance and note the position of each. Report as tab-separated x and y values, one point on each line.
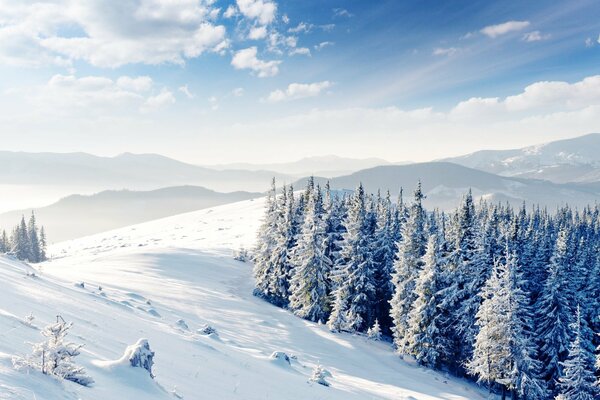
4	243
407	268
466	275
55	355
577	379
554	313
35	253
309	287
21	247
356	291
285	241
384	252
265	243
374	332
43	244
424	339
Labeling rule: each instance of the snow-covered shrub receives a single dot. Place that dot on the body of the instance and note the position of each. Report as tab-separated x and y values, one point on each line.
139	355
318	376
29	319
207	330
281	357
242	255
374	332
54	356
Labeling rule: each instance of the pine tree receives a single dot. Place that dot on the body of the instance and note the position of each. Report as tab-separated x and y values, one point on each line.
356	292
285	241
4	243
424	339
34	243
265	244
407	268
55	355
43	245
554	313
577	380
467	273
309	288
384	251
21	246
374	332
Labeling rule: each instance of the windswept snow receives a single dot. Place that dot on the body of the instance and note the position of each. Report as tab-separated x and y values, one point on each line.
165	281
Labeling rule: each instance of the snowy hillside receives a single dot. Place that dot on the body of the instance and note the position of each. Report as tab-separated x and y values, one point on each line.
569	160
163	280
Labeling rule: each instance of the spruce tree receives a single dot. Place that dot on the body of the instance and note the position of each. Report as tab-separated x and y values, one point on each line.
265	244
35	254
309	288
577	380
424	339
407	268
356	291
554	313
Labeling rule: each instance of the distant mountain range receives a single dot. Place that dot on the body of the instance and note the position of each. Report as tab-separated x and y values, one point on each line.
445	183
550	175
129	171
327	166
77	215
562	161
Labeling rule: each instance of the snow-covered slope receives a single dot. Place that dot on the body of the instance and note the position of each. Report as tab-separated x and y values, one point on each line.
165	279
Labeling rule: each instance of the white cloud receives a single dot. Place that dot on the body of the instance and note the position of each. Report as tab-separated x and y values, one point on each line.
261	10
494	31
186	91
322	45
238	92
246	59
342	12
285	19
139	84
107	34
327	27
230	12
302	27
296	91
257	33
66	95
164	98
540	96
534	36
589	42
449	51
304	51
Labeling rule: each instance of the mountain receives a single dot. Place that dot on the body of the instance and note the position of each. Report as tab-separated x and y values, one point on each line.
164	281
80	215
562	161
445	183
41	178
328	166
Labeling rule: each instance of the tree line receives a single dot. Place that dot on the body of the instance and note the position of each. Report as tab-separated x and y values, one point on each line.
27	241
507	296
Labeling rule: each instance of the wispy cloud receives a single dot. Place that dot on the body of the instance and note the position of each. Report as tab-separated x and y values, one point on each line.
186	91
535	36
322	45
445	51
342	12
494	31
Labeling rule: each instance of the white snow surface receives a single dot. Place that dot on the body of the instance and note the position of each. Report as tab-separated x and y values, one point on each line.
163	280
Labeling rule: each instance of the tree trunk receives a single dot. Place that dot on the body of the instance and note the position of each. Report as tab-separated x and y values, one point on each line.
503	392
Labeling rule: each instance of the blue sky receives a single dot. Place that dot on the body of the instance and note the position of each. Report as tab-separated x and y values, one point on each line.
263	80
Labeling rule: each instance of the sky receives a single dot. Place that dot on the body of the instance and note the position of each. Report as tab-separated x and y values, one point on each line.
218	81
